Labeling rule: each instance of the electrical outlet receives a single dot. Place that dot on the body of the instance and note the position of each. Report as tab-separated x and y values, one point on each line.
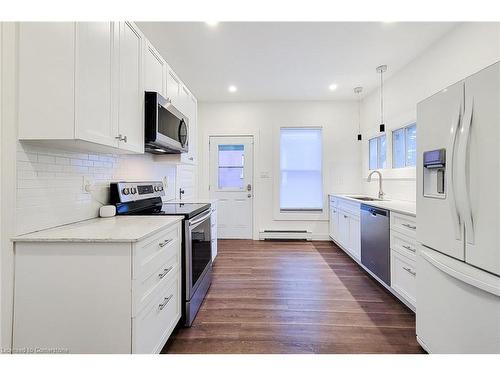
87	184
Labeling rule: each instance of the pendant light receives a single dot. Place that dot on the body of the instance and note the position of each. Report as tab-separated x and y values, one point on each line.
382	69
358	91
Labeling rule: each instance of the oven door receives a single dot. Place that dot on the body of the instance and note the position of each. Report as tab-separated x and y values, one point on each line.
198	250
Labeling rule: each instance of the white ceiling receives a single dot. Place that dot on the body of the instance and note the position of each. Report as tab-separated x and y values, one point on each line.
287	60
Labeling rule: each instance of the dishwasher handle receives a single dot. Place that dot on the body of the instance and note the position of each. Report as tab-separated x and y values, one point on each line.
374	211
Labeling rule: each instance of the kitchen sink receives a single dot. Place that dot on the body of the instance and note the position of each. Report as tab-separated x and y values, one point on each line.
362	198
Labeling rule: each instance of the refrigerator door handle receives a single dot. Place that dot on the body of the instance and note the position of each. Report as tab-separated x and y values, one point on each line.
464	173
455	214
461	271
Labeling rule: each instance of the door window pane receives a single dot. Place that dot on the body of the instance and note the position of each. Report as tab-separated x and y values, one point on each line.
231	162
301	169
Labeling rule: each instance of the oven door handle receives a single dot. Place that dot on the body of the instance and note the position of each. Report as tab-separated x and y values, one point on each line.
197	221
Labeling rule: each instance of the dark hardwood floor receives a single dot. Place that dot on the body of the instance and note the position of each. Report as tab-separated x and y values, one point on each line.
294	297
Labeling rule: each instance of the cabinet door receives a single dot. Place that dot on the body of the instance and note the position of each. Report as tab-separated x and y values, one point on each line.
173	87
343	235
354	237
46	80
334	223
155	71
130	88
93	83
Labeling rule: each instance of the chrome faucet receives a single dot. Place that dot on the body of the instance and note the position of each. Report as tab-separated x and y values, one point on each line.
380	191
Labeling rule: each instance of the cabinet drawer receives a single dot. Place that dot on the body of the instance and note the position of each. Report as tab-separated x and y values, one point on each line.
145	288
151	329
155	250
404	244
334	201
349	207
404	224
404	276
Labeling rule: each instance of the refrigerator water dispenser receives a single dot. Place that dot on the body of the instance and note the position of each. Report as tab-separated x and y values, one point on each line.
435	173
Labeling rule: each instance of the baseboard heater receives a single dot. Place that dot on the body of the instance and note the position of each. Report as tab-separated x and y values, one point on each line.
285	235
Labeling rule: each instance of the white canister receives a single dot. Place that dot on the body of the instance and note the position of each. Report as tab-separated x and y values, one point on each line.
107	211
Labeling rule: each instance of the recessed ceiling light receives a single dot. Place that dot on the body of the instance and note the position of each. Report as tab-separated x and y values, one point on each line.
333	87
232	88
212	23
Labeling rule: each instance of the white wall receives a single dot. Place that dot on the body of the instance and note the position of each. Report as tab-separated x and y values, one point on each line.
467	48
263	119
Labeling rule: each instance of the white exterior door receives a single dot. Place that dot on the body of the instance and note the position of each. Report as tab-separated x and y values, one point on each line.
439	221
231	182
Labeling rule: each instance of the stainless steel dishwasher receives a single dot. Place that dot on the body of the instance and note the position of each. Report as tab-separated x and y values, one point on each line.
375	242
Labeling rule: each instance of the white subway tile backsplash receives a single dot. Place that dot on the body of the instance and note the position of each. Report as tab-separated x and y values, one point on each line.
50	183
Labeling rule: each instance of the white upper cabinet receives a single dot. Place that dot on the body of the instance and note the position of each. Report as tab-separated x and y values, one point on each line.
94	120
155	70
173	88
81	85
46	80
131	91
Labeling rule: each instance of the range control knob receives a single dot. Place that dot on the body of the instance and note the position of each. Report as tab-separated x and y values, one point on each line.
157	188
160	188
126	191
133	190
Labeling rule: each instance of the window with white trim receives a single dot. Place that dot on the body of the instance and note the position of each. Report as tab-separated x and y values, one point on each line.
377	153
404	146
301	169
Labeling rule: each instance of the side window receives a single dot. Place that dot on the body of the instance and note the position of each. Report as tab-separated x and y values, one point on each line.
377	153
404	146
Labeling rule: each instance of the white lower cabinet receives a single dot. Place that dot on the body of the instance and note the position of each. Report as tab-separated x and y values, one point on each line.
404	276
106	297
345	230
403	257
345	226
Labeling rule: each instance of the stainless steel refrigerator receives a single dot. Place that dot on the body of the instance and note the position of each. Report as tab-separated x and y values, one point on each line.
458	216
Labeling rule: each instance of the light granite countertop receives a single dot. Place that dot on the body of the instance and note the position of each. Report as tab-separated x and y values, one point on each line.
403	207
112	229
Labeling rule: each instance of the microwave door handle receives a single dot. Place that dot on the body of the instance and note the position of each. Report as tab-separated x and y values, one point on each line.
464	174
455	213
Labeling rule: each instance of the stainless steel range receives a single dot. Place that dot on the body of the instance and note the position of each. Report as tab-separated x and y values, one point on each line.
145	198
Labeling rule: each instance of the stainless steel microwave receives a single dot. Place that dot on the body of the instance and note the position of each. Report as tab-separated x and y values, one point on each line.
166	128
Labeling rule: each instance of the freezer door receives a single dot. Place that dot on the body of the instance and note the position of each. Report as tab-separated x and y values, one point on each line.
480	169
439	224
458	306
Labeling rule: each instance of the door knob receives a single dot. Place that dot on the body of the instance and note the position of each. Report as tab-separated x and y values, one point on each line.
249	187
249	195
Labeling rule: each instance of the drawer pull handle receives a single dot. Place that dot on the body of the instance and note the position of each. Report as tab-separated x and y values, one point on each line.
165	301
409	226
409	270
165	243
409	248
165	271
